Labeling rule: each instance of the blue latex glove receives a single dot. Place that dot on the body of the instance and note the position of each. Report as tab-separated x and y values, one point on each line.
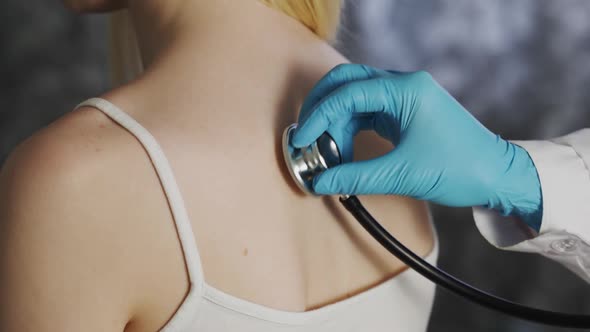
442	154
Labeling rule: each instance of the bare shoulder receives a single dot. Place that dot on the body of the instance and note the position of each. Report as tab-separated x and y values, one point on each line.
68	144
51	190
68	164
67	225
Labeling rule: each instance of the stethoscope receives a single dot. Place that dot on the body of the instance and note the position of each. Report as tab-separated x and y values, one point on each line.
305	163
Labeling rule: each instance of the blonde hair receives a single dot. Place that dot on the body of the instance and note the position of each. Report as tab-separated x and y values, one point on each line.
320	16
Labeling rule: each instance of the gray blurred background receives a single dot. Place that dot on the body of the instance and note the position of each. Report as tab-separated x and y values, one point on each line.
520	66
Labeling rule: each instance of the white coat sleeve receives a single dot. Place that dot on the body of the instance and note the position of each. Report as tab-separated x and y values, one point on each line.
563	168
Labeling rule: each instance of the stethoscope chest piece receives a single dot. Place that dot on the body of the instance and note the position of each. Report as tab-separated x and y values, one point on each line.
305	163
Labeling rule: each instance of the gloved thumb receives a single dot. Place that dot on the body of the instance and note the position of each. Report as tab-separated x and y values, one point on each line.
380	175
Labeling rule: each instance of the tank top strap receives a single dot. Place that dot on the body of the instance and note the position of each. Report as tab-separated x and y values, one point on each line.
169	185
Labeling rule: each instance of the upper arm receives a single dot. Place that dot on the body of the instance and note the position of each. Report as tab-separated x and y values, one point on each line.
58	257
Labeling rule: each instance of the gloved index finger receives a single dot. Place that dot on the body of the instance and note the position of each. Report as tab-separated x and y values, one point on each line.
368	96
339	75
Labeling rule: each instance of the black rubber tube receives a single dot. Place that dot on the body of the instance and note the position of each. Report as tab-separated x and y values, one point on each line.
456	286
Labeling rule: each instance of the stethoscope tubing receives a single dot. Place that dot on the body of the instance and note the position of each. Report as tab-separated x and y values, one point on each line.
452	284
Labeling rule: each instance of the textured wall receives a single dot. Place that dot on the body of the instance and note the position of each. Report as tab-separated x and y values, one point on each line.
521	66
50	59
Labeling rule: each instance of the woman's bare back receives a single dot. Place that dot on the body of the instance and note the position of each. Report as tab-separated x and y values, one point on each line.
218	111
259	238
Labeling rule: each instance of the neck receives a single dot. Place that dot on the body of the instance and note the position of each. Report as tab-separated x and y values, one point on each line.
204	26
224	56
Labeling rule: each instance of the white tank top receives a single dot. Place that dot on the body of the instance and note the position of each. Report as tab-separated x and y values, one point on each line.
402	303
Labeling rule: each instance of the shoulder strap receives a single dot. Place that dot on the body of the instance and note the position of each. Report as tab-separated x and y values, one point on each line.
173	195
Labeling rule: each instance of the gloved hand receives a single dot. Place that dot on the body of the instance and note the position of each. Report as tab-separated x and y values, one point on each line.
442	153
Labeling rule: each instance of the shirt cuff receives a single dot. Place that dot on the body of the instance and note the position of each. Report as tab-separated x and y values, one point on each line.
565	186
